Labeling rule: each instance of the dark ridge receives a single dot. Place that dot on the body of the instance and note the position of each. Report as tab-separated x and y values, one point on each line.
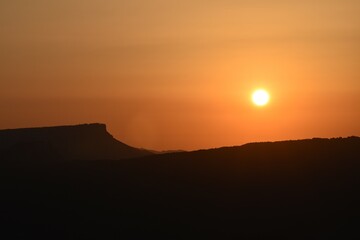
268	149
303	189
80	142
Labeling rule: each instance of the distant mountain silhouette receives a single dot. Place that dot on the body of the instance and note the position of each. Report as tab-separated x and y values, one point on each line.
80	142
304	189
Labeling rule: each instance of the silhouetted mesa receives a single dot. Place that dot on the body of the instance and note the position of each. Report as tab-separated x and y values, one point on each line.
304	189
79	142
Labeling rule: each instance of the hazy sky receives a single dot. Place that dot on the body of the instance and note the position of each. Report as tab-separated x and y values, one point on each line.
166	74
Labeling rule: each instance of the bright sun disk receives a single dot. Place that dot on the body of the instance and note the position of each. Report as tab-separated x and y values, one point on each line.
260	97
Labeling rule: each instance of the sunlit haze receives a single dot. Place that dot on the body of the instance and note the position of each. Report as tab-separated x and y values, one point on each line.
167	74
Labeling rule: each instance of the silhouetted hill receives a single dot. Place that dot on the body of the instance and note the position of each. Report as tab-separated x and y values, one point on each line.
81	142
306	189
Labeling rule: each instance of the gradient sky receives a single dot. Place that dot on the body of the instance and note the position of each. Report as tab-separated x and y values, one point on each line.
166	74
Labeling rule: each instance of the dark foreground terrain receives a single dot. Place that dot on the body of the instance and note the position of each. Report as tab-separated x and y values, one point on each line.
306	189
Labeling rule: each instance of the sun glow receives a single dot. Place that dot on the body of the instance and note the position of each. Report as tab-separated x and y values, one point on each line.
260	97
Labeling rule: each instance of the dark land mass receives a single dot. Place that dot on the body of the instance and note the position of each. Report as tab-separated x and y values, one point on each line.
80	142
305	189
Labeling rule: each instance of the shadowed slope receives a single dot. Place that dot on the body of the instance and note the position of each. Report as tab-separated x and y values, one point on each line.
82	142
306	189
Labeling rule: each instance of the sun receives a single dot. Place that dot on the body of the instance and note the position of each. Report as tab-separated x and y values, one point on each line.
260	97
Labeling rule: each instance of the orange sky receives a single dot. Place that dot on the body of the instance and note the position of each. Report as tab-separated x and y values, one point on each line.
166	74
